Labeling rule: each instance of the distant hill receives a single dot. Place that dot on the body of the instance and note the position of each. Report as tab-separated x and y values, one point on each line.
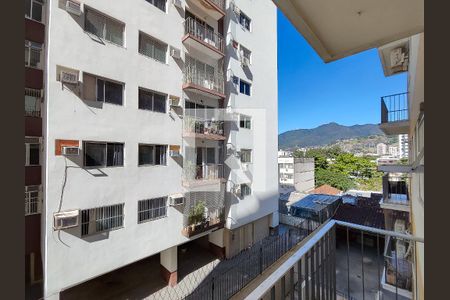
325	134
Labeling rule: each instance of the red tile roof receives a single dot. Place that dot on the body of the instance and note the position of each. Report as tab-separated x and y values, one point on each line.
326	190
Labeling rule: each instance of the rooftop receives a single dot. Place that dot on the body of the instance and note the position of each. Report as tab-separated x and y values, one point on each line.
326	190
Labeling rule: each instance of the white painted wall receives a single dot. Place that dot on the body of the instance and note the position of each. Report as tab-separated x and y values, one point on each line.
70	259
261	106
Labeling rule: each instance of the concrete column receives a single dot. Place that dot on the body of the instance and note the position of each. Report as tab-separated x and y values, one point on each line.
217	243
169	265
274	221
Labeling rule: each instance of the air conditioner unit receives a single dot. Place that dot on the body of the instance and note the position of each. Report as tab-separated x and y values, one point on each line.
69	77
176	199
177	3
65	219
174	101
175	53
399	225
70	151
73	7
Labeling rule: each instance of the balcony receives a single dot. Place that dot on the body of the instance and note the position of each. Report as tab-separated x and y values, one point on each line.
395	114
199	223
203	129
214	8
204	40
209	84
395	193
204	174
326	265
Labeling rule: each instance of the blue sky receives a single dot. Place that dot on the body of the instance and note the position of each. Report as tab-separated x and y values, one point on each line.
312	93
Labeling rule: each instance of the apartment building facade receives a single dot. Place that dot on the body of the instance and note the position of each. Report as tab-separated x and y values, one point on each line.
296	174
159	127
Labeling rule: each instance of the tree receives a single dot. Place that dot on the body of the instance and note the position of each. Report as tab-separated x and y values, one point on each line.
335	179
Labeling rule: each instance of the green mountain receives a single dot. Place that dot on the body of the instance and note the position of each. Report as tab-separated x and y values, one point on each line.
325	134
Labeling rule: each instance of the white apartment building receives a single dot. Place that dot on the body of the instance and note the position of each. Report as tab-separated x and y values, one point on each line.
133	164
403	146
382	149
296	174
393	151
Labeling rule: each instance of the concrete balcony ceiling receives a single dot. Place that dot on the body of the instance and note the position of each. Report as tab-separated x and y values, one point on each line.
214	8
340	28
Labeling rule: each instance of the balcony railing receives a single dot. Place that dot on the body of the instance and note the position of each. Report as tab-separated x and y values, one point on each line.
397	266
394	108
210	81
206	127
395	190
199	221
33	200
204	34
203	172
32	102
315	270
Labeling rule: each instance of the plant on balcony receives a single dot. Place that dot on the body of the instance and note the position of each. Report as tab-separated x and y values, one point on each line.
196	215
189	124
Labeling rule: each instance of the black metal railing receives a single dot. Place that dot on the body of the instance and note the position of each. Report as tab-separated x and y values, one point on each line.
233	274
194	125
394	108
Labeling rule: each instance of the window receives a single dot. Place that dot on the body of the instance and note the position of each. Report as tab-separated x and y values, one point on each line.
32	102
245	190
245	122
33	54
161	4
103	154
34	9
245	53
104	27
151	209
105	90
244	87
152	155
150	47
32	151
244	21
153	101
32	200
246	156
101	219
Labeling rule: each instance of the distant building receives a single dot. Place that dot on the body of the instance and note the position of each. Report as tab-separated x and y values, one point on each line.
403	146
381	149
393	151
284	153
296	174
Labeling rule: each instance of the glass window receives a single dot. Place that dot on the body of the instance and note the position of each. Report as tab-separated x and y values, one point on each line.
103	154
149	100
104	27
246	156
33	9
152	155
244	87
161	4
150	47
151	209
101	219
34	155
33	54
244	21
245	190
109	92
32	102
245	122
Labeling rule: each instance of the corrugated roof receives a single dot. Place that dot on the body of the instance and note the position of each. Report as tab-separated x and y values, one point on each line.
315	202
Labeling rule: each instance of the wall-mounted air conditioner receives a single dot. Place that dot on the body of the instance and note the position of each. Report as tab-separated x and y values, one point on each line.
174	101
177	3
176	199
69	77
175	53
73	7
70	151
65	219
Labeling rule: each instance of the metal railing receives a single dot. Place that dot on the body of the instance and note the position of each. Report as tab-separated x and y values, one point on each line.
395	189
233	274
211	81
394	108
315	270
194	125
201	32
203	172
